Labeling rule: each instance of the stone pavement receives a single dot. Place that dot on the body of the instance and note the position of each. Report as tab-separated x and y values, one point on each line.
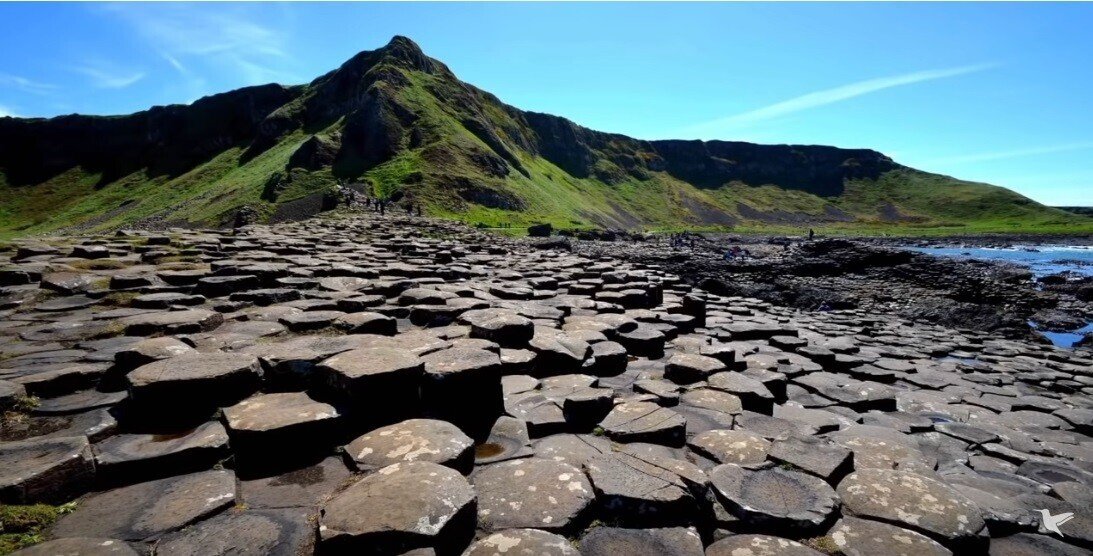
388	385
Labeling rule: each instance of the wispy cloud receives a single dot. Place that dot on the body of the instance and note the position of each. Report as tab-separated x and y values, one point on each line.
25	85
1015	153
5	111
227	34
109	78
833	95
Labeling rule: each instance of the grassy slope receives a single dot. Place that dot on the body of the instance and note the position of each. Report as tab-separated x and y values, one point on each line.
209	193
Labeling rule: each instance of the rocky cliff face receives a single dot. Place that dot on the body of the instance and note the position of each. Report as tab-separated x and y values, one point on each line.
164	139
397	119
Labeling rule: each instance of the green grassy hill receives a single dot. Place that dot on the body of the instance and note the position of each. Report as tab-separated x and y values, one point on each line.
402	124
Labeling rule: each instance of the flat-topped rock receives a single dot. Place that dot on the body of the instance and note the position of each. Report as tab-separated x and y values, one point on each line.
44	470
775	498
639	488
282	532
505	327
399	508
384	381
195	380
865	537
687	368
79	546
759	545
522	542
172	322
148	510
413	440
266	423
913	501
532	492
739	447
615	541
645	422
130	457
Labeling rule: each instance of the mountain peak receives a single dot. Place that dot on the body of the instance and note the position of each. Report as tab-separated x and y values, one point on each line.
407	51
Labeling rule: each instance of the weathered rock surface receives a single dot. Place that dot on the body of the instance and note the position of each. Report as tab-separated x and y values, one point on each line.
530	493
423	346
398	508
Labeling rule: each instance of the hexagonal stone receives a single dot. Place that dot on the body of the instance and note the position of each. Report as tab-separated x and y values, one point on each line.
44	470
68	282
285	532
531	492
133	457
754	396
615	541
79	546
218	286
774	497
306	487
399	508
558	352
574	449
643	341
172	322
165	300
817	456
149	350
194	381
367	323
382	381
881	448
740	447
911	500
864	537
759	545
148	510
413	440
310	320
522	542
688	368
502	326
1028	544
463	386
646	489
265	423
645	422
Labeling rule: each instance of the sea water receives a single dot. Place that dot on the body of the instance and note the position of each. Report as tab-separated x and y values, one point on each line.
1041	260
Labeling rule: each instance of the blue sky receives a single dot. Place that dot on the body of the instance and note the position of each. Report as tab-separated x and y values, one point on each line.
1000	93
